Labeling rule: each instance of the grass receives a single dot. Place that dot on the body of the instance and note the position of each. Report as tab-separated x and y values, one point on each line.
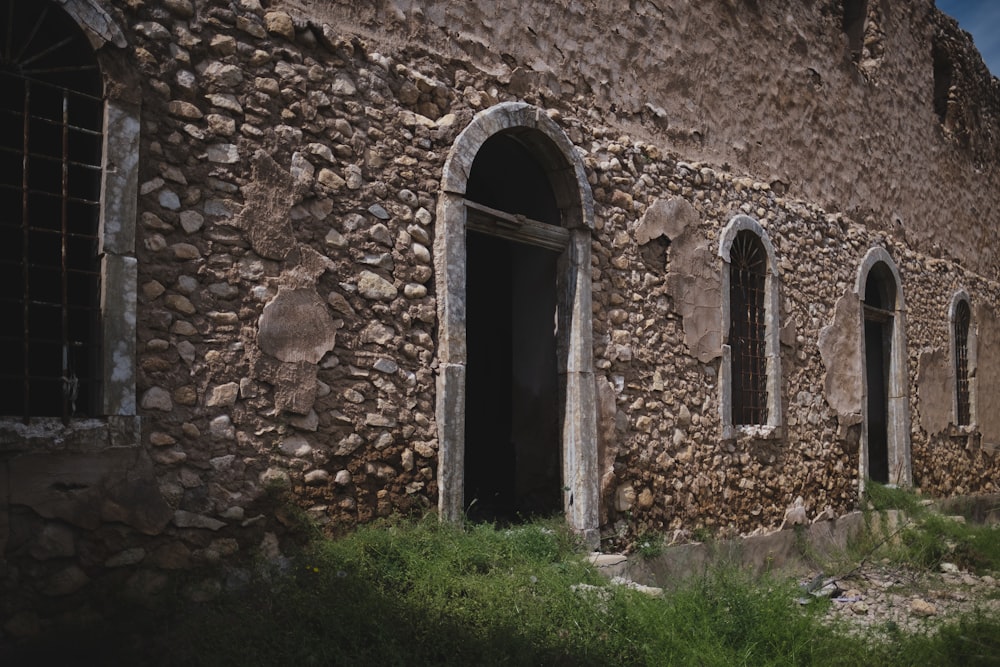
424	593
418	592
926	538
971	641
881	497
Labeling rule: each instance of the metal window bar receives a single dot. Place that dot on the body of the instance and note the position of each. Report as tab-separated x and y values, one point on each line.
59	296
747	277
963	403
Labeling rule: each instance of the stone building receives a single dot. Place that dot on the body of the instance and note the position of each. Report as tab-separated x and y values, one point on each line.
657	270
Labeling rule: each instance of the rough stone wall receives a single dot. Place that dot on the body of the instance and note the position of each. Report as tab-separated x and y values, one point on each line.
291	159
286	229
681	474
770	88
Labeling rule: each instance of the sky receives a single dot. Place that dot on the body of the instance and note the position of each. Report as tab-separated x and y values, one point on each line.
982	19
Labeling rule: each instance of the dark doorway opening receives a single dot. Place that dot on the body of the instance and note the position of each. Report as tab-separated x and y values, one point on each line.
512	430
878	321
512	433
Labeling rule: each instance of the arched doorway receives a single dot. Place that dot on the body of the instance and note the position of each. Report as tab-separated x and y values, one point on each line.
512	427
878	309
515	406
885	447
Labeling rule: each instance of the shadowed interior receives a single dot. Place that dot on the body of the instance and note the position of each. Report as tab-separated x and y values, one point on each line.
512	453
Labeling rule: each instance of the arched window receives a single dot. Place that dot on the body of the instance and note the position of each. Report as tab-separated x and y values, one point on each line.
50	159
964	359
962	317
751	370
67	265
747	275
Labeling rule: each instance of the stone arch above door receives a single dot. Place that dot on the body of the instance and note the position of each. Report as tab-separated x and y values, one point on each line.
557	156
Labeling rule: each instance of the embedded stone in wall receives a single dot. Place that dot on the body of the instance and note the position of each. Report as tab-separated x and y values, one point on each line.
55	540
275	477
84	490
221	428
296	326
667	218
317	478
347	445
309	422
935	387
280	23
185	519
223	395
339	303
625	497
375	287
840	349
65	582
223	153
310	266
137	501
157	398
296	445
126	558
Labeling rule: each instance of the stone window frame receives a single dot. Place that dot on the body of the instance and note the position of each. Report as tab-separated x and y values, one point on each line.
557	155
119	423
772	325
900	461
972	351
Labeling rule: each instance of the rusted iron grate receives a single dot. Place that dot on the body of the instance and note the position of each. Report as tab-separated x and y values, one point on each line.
962	320
51	120
747	277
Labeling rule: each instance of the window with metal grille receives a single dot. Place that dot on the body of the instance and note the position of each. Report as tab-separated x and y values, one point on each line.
51	120
747	279
963	317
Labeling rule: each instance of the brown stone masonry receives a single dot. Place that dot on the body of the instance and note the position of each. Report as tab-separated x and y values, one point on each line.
402	257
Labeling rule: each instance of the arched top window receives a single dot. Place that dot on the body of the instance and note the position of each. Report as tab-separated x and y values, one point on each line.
751	375
68	271
44	44
963	344
507	177
880	288
747	328
51	143
878	283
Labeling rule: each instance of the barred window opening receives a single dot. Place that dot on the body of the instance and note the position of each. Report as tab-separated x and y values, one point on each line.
748	275
963	317
51	123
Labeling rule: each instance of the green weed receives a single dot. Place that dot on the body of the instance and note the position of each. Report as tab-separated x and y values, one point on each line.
881	497
650	544
936	539
419	592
